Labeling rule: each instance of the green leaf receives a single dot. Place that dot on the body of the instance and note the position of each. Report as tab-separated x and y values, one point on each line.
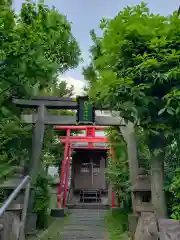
170	111
162	111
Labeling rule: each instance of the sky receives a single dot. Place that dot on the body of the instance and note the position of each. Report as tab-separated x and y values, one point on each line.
86	14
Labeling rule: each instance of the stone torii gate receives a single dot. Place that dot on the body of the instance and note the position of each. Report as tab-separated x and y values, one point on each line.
85	116
42	118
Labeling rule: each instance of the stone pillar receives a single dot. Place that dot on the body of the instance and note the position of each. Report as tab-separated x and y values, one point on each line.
37	143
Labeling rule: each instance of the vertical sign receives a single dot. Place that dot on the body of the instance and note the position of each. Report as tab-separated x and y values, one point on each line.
85	112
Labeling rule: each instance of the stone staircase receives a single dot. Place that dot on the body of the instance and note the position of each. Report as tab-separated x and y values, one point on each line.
88	206
80	224
85	224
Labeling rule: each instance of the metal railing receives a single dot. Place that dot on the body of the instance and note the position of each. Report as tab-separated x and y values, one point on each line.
24	183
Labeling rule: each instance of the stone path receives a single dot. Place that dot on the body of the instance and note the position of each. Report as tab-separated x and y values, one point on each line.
85	224
81	224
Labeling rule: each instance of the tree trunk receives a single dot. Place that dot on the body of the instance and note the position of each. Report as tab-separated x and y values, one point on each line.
157	185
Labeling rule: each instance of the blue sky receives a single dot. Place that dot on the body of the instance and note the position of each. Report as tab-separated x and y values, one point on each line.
86	14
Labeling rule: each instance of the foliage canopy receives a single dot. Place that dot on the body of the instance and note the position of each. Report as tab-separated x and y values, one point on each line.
36	46
134	67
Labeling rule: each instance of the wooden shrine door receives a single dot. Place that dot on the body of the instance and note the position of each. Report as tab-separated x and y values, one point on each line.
88	174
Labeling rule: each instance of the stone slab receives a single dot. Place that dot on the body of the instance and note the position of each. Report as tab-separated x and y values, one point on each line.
11	223
31	223
58	212
133	221
147	227
169	229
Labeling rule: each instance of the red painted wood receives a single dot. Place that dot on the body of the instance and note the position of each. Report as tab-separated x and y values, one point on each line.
67	177
82	137
67	141
78	127
59	197
90	132
93	148
75	139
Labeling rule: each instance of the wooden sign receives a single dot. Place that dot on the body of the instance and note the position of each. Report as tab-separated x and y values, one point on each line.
85	111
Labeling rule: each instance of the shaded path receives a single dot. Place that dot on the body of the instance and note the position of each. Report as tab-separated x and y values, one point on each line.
82	224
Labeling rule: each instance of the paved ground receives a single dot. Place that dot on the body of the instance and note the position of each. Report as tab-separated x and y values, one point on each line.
82	224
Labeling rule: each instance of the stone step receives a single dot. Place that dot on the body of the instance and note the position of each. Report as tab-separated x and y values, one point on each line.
88	206
83	228
80	219
85	224
83	234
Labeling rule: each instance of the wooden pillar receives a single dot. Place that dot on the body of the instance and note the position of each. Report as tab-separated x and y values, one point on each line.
67	176
62	174
113	199
90	132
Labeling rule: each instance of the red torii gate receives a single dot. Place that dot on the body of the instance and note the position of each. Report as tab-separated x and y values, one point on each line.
68	140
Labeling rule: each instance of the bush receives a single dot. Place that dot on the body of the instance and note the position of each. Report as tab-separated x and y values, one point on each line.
117	171
42	200
116	221
175	190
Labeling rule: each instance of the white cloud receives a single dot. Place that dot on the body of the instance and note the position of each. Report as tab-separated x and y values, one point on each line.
78	85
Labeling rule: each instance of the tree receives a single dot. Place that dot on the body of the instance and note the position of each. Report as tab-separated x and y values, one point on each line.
36	46
136	69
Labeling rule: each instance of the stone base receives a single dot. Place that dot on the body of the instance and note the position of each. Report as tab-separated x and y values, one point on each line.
31	222
58	212
133	221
